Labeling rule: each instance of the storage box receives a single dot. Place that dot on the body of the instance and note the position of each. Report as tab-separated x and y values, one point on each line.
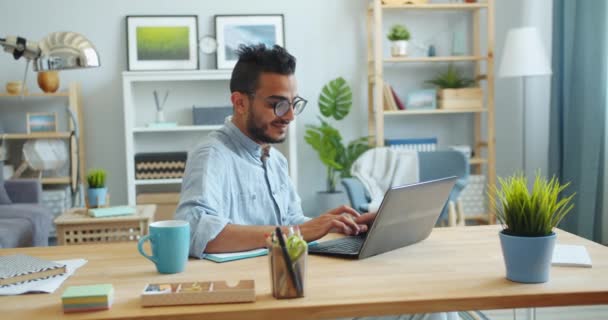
183	293
210	115
473	196
464	98
57	201
161	165
166	203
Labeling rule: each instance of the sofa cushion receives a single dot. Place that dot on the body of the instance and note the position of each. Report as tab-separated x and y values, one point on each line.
4	199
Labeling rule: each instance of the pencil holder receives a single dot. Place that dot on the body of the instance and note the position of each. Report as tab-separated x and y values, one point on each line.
283	286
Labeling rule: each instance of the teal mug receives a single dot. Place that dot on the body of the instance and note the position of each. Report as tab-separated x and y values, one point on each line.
170	241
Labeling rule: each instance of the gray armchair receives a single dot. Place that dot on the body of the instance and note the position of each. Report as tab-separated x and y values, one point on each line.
24	222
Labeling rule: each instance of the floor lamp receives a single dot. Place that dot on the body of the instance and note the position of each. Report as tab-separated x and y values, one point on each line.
524	56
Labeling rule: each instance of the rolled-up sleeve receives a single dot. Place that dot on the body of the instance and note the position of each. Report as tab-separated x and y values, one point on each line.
201	198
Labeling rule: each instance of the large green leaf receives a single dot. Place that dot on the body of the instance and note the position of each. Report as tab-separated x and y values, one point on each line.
336	99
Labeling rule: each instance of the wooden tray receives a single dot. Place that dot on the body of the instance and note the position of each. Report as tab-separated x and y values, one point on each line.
170	294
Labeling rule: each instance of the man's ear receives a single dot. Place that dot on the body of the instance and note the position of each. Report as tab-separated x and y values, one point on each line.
239	102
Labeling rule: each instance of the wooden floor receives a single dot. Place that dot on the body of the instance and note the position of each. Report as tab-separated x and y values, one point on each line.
562	313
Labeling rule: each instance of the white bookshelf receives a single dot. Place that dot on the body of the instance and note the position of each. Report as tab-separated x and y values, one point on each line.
203	88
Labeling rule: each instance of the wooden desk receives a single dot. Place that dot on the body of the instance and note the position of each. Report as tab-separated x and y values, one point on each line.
457	268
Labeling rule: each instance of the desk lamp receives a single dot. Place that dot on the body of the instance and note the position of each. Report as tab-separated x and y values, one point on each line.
57	51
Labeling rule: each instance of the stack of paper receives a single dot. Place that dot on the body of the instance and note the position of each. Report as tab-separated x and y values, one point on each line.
20	268
87	298
112	211
565	255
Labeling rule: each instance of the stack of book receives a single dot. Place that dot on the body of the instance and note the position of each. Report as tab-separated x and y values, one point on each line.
87	298
392	102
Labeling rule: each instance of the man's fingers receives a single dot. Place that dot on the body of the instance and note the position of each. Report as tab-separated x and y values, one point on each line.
350	223
366	218
344	210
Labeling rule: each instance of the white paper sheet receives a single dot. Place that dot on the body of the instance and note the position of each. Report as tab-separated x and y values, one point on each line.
46	285
565	255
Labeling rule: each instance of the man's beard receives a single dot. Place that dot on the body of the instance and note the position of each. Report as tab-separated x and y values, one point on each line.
258	132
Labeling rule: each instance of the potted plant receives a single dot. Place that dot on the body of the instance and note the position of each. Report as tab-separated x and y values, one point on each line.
335	101
96	178
455	91
528	219
398	35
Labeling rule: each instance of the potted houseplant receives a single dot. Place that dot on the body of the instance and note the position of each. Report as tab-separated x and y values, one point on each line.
455	91
398	35
528	219
335	101
96	178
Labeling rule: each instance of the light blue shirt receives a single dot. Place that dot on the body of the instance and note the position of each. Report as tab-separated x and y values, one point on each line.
227	182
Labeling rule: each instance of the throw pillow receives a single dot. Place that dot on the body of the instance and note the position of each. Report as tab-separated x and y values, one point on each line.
4	199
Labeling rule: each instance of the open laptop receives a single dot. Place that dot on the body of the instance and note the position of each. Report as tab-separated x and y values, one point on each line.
406	215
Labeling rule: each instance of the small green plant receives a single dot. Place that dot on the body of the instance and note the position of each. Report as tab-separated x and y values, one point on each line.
530	214
96	178
451	79
398	32
335	102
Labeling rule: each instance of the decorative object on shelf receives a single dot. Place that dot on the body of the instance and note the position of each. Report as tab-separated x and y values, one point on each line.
231	31
417	144
97	192
42	154
421	99
15	87
160	114
162	42
335	101
160	165
398	35
210	115
464	149
41	122
432	51
524	56
454	92
207	44
528	219
48	81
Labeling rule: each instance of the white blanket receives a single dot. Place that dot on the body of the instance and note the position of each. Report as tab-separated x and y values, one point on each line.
378	169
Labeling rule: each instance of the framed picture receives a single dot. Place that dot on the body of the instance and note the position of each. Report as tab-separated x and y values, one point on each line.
231	31
162	42
41	122
421	99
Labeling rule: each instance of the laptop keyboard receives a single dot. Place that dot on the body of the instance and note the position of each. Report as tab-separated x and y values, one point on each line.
347	245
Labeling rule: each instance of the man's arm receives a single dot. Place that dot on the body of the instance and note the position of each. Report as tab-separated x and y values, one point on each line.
235	237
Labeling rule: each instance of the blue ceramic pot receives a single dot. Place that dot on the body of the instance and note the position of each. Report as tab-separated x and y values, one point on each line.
527	259
97	197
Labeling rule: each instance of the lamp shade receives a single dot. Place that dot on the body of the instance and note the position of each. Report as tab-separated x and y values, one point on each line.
66	50
524	54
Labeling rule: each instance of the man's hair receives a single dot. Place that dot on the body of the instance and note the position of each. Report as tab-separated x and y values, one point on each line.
256	59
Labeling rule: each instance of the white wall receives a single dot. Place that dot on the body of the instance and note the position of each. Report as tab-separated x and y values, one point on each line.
327	37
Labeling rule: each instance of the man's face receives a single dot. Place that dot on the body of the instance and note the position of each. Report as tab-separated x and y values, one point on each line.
262	124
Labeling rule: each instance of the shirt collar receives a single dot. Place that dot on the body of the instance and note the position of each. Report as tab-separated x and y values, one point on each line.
252	147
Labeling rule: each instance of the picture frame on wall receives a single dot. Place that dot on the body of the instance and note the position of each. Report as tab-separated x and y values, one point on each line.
162	42
231	31
41	122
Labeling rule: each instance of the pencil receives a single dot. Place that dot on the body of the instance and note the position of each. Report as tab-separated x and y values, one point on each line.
292	274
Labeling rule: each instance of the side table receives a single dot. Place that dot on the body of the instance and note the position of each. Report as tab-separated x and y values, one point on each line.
75	226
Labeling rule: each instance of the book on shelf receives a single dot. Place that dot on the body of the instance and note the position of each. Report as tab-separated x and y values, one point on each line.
389	100
396	98
416	144
20	268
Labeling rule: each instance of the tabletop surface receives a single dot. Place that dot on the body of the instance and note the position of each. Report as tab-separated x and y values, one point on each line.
459	268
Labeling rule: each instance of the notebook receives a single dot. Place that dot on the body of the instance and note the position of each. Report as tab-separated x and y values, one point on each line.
22	268
112	211
225	257
565	255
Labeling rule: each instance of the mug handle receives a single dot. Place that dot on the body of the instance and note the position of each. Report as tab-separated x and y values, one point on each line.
140	244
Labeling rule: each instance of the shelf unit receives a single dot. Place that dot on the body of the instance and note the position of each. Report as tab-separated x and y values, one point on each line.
198	87
483	146
77	152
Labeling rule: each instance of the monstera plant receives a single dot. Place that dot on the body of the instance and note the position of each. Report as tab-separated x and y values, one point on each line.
335	101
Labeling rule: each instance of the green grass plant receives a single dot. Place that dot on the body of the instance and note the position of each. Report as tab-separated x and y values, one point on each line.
96	178
530	214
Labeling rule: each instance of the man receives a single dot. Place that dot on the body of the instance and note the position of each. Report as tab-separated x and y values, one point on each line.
236	187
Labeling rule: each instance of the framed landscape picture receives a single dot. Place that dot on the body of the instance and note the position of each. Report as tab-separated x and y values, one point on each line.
162	42
41	122
231	31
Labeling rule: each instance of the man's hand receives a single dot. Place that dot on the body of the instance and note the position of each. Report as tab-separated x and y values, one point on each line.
344	219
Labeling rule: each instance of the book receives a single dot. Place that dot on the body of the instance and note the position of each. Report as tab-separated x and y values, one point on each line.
87	298
565	255
112	211
397	100
225	257
20	268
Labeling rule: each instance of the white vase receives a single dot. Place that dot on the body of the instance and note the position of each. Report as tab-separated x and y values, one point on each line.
160	116
399	48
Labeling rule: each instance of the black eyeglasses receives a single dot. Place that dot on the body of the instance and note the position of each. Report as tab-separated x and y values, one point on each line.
281	105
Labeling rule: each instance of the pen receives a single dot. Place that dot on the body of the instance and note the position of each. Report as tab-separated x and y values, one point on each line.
292	274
